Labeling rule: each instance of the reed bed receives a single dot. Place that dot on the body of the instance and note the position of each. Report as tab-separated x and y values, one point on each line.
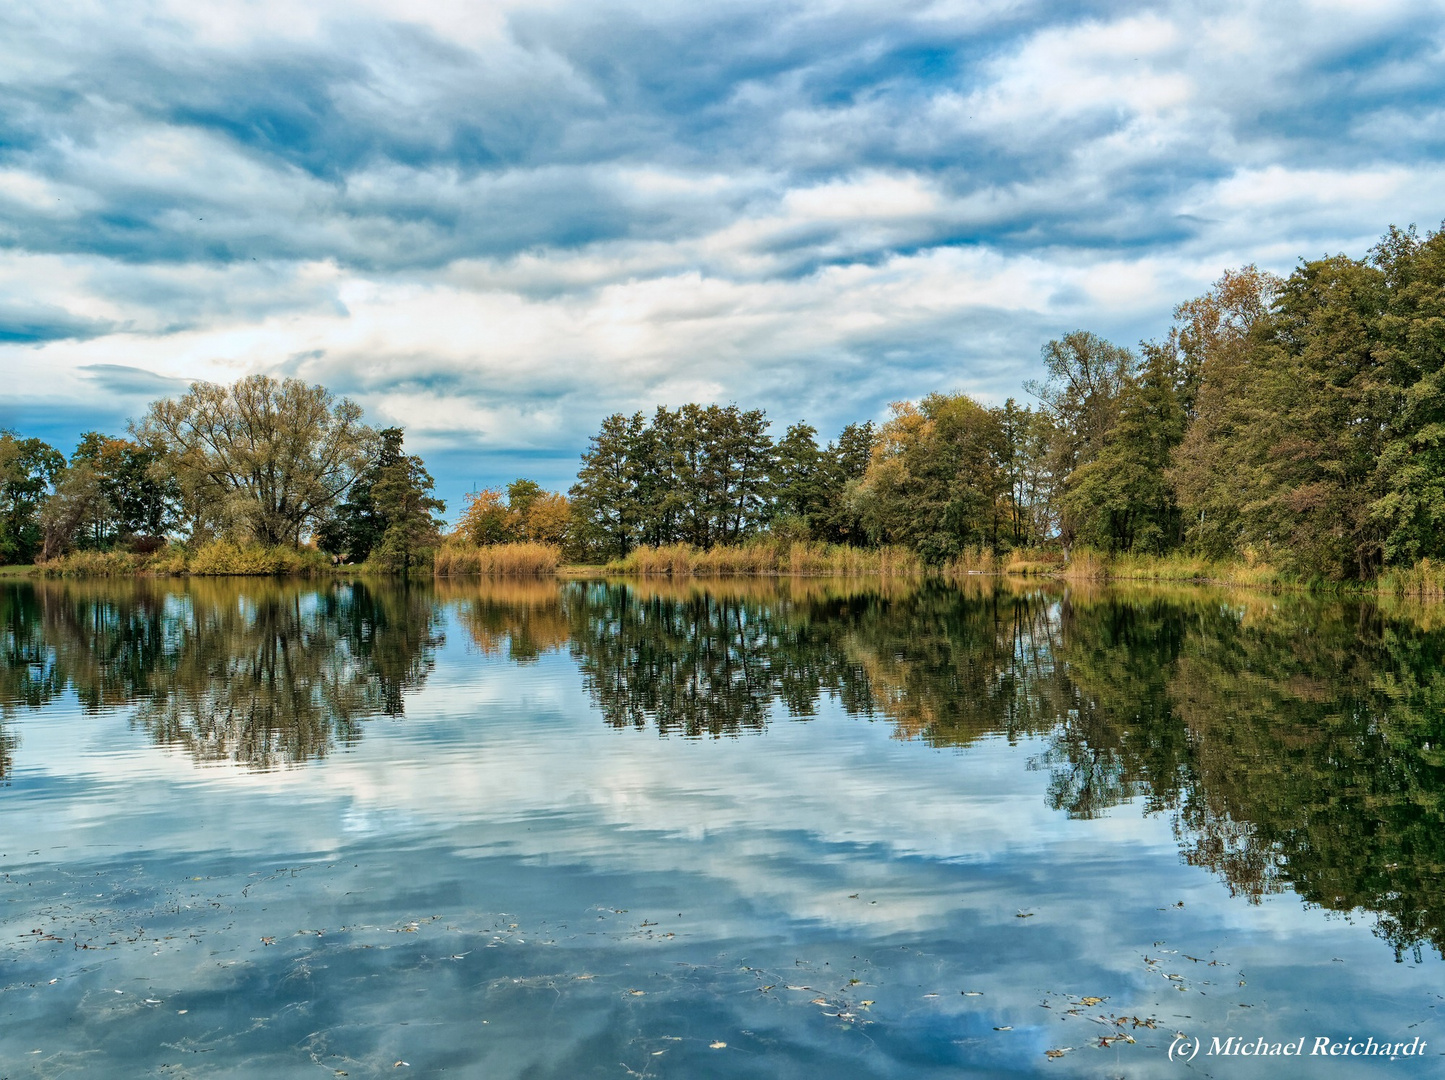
219	558
1423	581
1089	565
224	558
456	558
764	558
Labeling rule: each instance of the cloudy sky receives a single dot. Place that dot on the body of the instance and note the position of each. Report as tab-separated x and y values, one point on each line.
495	223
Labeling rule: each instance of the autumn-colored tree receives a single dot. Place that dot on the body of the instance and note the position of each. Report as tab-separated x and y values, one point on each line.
936	481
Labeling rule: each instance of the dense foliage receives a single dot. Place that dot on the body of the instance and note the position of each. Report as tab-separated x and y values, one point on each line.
240	474
706	475
389	511
1294	421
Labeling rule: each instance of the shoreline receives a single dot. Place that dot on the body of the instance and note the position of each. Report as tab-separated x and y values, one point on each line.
1422	582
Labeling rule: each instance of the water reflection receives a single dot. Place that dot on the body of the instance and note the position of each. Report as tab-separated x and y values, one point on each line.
263	674
1294	743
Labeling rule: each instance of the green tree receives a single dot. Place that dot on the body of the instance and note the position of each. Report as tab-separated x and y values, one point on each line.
388	511
607	498
262	459
28	471
402	496
797	483
1081	395
114	491
1122	500
842	467
1215	335
1410	347
1026	437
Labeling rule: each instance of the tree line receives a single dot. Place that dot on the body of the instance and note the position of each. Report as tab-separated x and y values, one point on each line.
262	462
1297	421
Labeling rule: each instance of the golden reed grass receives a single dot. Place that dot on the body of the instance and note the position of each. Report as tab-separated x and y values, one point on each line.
457	559
764	558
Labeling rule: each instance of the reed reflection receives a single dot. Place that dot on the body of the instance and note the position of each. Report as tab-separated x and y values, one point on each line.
263	673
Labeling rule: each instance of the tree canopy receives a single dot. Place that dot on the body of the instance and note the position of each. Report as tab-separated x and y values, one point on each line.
263	457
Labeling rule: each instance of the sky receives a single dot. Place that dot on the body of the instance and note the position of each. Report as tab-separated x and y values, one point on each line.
496	223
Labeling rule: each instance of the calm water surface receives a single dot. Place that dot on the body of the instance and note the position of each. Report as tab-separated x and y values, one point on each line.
805	830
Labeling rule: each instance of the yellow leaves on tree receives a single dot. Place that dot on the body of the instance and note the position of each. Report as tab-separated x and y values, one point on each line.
525	513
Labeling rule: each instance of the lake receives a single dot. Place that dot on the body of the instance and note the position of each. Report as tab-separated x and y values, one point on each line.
741	829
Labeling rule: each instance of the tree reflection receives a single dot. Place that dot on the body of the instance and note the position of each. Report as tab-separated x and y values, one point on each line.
264	674
1294	743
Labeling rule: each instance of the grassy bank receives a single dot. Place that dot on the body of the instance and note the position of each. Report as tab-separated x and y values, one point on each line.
1087	565
220	558
759	558
1424	581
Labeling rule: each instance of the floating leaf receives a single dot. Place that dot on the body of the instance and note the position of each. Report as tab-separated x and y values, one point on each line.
1090	1000
1057	1053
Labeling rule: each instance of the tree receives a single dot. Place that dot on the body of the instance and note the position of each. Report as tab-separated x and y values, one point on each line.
544	518
401	494
77	508
841	468
114	491
1409	507
1318	407
486	519
935	482
1086	379
1214	335
797	481
699	475
528	513
1122	500
1026	439
606	496
28	469
356	527
263	458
